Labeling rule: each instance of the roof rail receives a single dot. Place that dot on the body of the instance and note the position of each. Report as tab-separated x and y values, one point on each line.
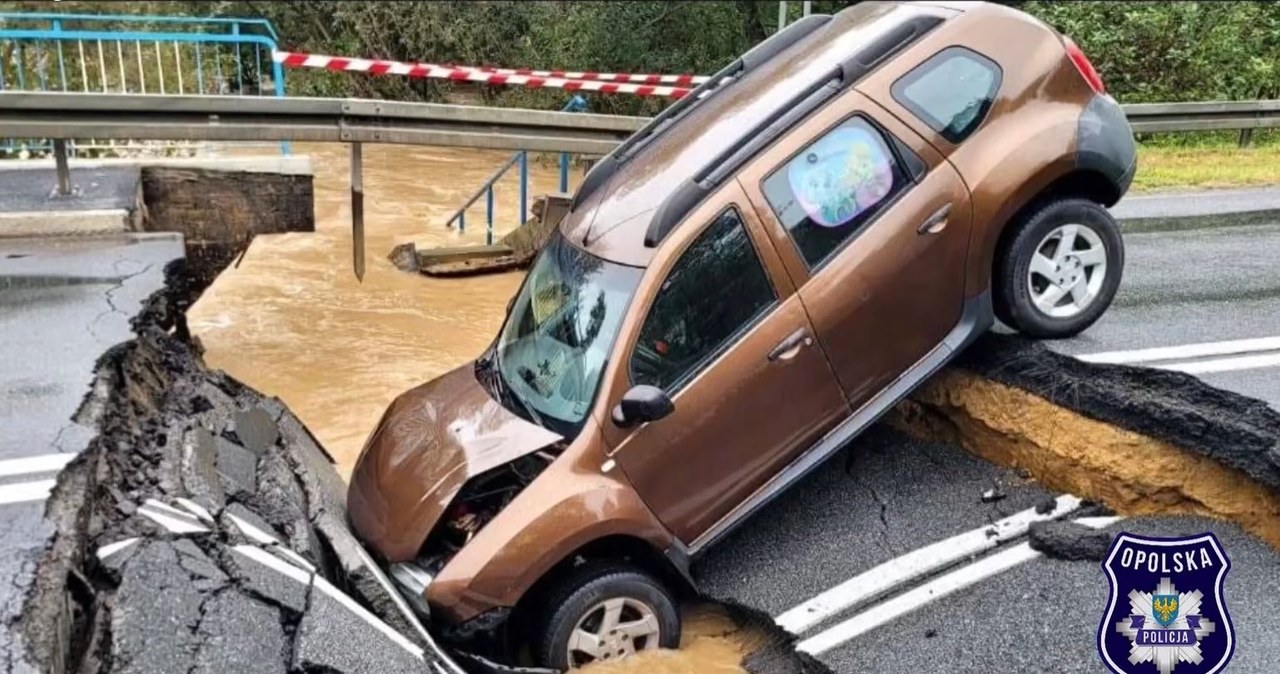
740	66
784	117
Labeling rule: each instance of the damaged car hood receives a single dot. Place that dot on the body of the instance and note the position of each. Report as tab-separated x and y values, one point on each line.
431	440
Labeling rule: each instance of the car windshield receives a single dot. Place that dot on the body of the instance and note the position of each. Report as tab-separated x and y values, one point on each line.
558	334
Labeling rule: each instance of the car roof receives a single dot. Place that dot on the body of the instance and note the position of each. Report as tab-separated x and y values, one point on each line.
612	220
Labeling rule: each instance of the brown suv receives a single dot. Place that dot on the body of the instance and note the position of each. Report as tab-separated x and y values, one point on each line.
741	288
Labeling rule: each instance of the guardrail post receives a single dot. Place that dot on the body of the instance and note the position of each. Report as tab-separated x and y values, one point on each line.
357	210
488	215
564	171
61	167
524	187
1246	136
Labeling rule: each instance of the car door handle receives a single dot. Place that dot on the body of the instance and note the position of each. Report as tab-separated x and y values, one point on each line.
789	347
936	222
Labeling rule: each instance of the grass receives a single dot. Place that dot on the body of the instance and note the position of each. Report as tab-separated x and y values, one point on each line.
1206	166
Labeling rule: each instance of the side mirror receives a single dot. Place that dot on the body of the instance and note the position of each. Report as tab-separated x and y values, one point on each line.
641	404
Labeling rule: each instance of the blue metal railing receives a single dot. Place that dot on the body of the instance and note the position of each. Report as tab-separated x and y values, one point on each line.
521	159
114	53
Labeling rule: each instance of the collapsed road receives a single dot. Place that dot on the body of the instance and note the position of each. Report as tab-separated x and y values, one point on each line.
892	494
203	529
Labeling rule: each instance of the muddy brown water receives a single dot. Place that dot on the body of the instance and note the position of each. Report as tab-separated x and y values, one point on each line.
292	321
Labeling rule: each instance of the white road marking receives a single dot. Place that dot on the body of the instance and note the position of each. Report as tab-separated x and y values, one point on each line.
935	589
46	463
302	576
112	548
23	492
1186	352
171	518
915	564
195	509
1227	364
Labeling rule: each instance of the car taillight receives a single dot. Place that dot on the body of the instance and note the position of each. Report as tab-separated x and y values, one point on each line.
1086	69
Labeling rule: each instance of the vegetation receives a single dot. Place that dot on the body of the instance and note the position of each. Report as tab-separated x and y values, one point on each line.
1146	51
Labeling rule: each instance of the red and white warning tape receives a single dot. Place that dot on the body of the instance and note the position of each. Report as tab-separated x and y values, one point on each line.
493	76
678	80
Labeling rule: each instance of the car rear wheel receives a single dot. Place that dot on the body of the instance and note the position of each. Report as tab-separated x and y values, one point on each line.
606	612
1060	269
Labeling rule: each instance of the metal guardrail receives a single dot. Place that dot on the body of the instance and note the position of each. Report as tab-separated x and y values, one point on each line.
1203	116
78	115
65	116
326	120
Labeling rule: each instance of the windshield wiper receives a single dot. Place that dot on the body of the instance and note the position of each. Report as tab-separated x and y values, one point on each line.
502	390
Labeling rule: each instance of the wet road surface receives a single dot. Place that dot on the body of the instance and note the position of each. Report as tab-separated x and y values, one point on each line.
62	303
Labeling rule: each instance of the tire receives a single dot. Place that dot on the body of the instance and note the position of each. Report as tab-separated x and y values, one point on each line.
1064	295
578	598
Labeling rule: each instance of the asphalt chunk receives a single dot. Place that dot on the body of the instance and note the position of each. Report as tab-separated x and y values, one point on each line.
239	634
1068	540
237	466
325	643
155	613
256	429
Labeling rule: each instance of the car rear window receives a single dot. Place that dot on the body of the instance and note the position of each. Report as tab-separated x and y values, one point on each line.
951	92
832	188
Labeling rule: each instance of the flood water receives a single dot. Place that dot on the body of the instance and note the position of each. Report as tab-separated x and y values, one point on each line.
292	321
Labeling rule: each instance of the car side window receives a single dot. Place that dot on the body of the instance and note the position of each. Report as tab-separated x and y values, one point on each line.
716	290
831	189
951	91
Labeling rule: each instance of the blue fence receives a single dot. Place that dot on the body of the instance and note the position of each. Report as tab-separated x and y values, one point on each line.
138	54
521	160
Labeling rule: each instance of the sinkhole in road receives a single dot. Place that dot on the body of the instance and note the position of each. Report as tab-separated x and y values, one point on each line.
205	505
1140	441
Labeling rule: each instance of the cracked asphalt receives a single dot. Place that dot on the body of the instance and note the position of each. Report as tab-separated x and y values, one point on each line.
62	304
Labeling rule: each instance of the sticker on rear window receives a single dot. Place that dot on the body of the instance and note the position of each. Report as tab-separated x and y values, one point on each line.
841	175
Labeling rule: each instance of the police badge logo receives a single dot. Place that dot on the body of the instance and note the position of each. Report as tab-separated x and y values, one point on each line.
1166	611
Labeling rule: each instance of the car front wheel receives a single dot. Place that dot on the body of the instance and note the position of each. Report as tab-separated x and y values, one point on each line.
606	612
1060	269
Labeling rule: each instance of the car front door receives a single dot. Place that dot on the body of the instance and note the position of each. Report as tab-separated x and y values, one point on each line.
723	333
873	225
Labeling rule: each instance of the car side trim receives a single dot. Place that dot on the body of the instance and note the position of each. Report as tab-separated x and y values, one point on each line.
975	319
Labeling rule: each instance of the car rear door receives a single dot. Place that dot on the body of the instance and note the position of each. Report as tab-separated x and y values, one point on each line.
718	326
873	227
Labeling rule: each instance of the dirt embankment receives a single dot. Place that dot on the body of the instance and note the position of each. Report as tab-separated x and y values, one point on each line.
204	530
1141	441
